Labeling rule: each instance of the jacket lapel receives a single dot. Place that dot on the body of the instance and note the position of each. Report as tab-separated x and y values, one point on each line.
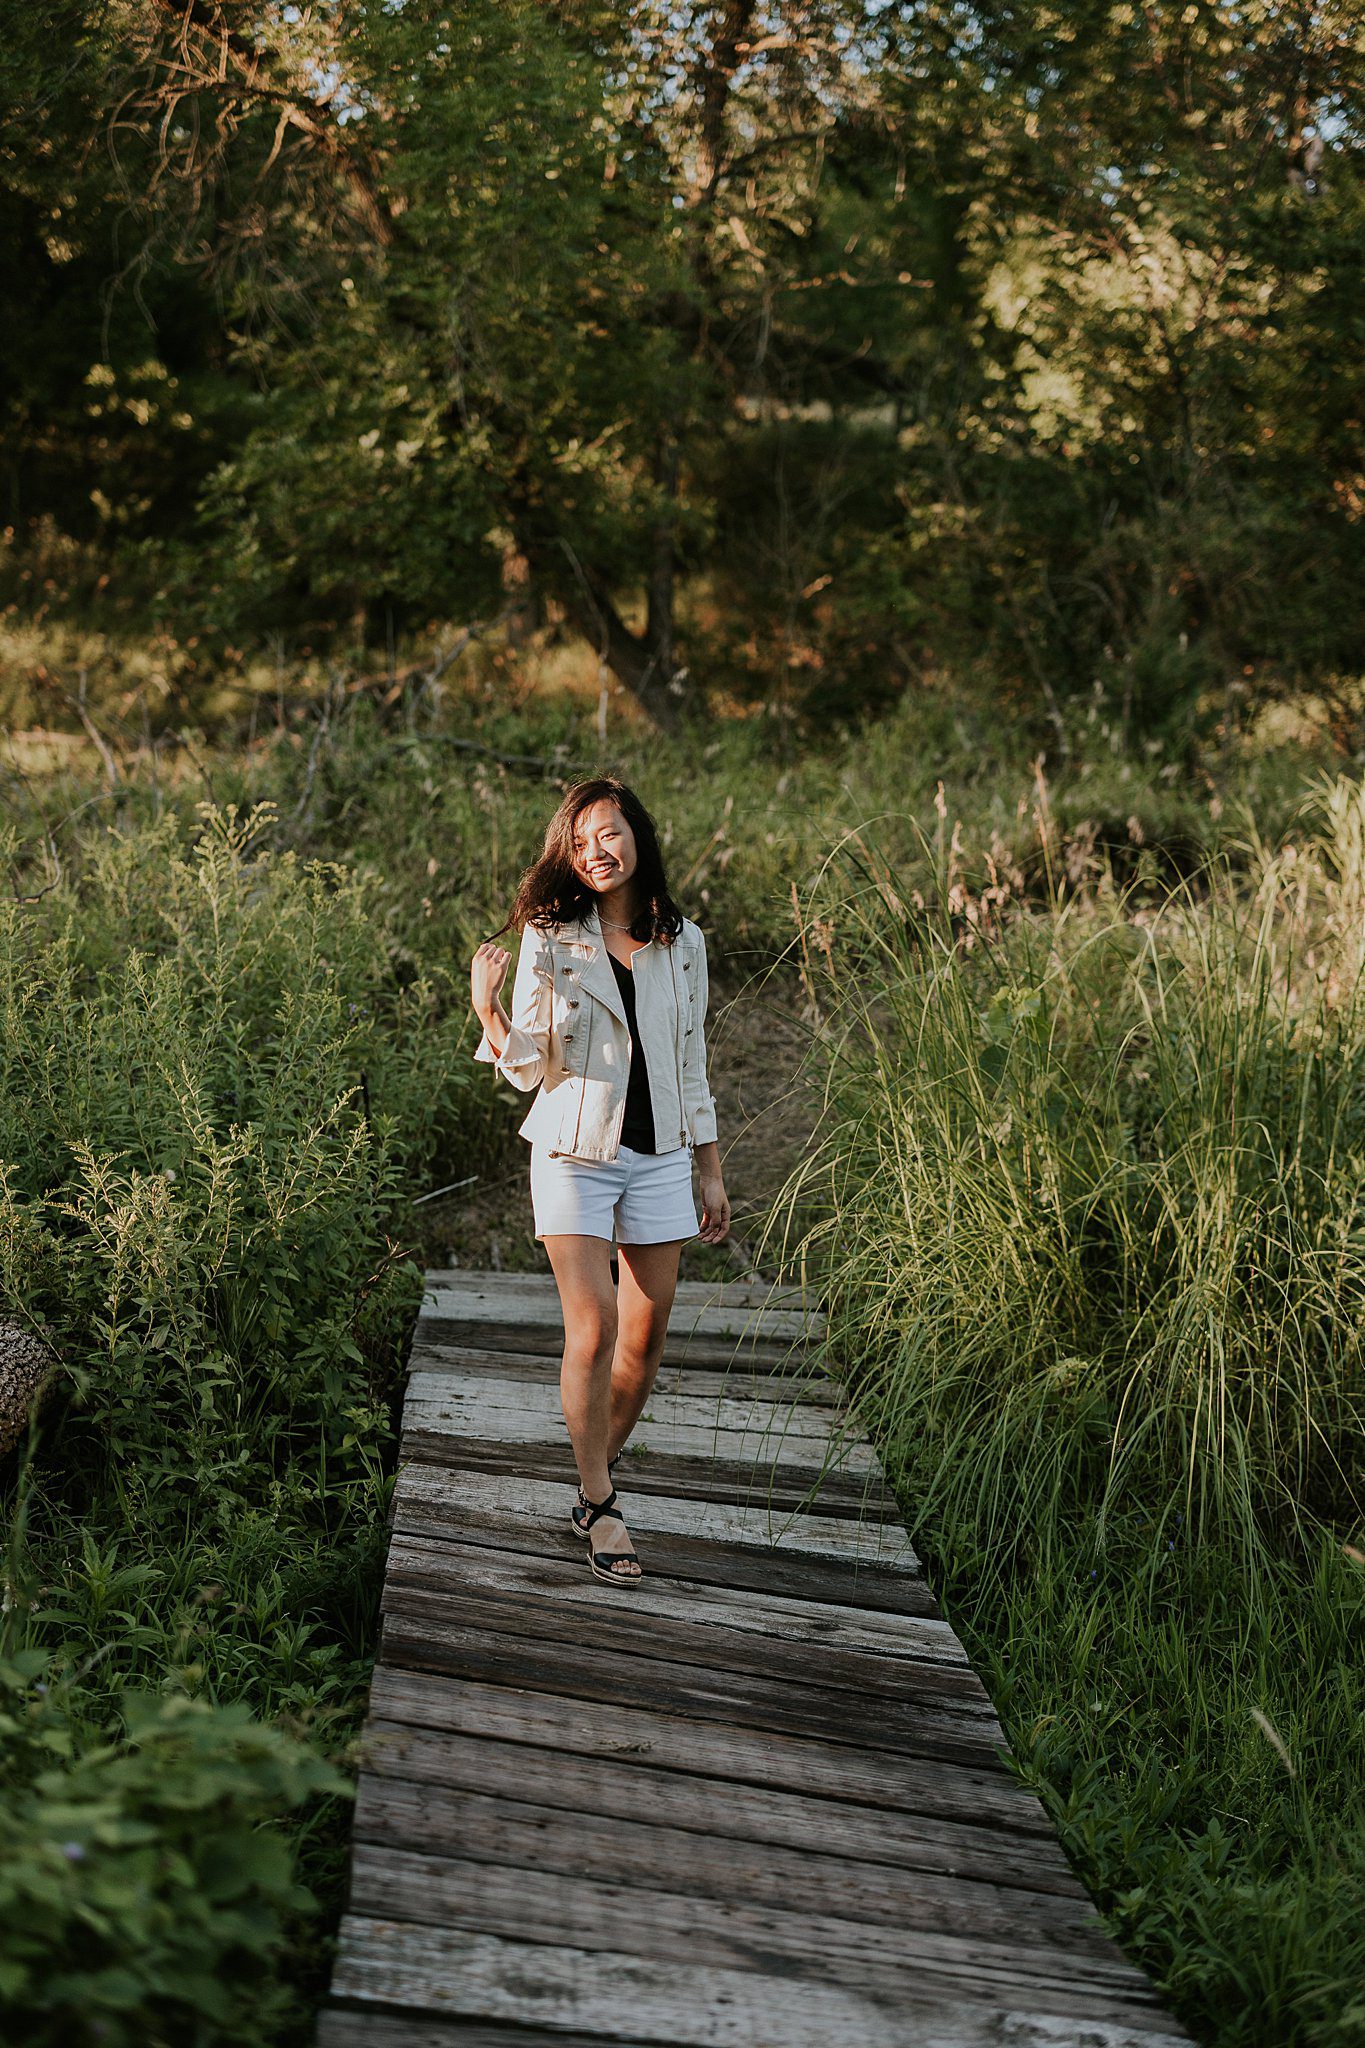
596	974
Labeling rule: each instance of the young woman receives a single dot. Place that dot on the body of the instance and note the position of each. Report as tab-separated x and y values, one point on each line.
607	1023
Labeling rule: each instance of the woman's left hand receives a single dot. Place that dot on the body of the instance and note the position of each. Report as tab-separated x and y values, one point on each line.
715	1207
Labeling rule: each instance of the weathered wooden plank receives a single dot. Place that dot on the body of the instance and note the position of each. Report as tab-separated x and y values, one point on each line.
859	1545
502	1887
849	1496
486	1394
688	1293
699	1349
469	1413
831	1629
368	2026
657	1789
693	1625
780	1760
472	1639
808	1383
772	1756
471	1302
433	1502
698	2006
695	1562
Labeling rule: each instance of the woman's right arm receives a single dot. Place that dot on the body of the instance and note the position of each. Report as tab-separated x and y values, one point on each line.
518	1046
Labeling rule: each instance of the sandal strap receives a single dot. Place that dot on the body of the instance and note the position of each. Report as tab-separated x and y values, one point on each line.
611	1558
598	1508
612	1464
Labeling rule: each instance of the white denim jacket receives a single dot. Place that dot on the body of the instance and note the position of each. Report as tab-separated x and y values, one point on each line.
569	1034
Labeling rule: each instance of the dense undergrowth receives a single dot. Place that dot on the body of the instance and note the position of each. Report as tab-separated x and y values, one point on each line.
1083	1200
212	1088
1087	1207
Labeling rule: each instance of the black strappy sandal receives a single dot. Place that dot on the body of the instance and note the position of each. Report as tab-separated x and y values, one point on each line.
596	1511
577	1513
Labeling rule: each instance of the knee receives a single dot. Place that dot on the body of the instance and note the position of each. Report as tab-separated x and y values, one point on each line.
592	1340
644	1341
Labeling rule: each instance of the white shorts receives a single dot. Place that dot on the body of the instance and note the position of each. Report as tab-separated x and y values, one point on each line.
647	1194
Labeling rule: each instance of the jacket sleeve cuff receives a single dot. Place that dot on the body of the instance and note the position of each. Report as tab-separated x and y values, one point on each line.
704	1122
520	1051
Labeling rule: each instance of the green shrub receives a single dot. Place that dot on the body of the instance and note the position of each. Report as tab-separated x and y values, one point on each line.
219	1077
212	1090
143	1894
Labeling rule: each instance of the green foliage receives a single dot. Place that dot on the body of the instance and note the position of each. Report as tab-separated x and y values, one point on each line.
143	1891
1123	1147
219	1075
1086	1212
944	335
191	991
203	1090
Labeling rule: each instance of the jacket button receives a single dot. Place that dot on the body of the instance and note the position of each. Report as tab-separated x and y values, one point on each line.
573	1002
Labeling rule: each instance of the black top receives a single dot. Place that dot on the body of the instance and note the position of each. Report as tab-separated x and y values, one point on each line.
637	1130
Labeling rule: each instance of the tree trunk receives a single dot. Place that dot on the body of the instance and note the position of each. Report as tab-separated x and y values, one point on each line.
643	662
633	658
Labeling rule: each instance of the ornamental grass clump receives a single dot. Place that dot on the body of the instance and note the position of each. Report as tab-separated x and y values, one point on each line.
1085	1205
1088	1190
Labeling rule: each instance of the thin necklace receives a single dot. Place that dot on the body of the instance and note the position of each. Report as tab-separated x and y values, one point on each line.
611	924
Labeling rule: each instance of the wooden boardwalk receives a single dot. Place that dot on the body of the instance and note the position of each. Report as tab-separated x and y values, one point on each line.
756	1801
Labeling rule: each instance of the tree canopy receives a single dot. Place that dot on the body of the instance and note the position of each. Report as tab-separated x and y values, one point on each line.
799	348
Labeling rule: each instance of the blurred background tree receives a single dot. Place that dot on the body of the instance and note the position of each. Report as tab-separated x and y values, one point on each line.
797	351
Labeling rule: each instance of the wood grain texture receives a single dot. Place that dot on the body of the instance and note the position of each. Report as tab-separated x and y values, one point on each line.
486	1326
764	1451
743	1483
716	1408
688	1293
758	1799
473	1300
713	1909
804	1381
651	1785
781	1759
454	1971
452	1495
784	1622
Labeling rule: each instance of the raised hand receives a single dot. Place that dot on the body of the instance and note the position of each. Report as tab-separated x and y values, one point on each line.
487	973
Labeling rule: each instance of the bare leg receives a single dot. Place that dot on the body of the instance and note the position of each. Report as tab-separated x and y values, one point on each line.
582	1270
649	1280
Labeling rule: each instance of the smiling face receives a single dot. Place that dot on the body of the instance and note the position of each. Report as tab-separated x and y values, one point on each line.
604	847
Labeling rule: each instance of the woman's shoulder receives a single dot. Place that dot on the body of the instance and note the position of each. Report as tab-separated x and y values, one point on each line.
550	931
691	935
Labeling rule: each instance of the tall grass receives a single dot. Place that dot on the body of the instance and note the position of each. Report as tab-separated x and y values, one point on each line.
1090	1185
226	1061
1086	1207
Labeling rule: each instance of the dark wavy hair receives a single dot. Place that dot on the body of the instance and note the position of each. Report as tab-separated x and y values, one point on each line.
551	891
